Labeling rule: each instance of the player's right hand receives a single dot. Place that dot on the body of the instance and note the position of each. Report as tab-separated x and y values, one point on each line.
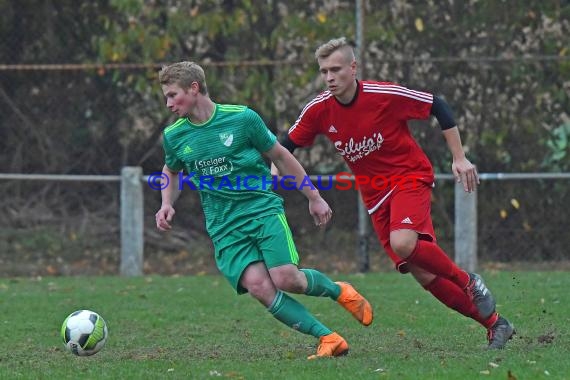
164	217
466	173
320	211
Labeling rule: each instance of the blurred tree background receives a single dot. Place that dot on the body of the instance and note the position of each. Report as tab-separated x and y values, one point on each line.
79	95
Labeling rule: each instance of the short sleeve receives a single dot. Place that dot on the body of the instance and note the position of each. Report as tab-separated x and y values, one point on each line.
305	129
260	136
170	158
407	104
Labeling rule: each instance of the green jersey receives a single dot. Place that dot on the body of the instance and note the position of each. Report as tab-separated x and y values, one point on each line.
223	161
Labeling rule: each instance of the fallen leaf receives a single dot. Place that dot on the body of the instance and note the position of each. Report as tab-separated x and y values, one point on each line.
419	24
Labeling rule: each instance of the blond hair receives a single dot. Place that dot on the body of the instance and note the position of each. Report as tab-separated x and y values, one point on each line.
333	45
184	74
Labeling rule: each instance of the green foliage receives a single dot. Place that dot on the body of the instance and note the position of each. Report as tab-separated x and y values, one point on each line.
559	147
491	100
228	34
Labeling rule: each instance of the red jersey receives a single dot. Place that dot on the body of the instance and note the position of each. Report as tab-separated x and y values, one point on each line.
371	134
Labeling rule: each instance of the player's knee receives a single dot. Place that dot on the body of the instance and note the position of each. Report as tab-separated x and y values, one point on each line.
258	286
255	289
288	280
403	247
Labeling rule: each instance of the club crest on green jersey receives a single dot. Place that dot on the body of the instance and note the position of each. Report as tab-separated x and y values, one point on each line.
227	138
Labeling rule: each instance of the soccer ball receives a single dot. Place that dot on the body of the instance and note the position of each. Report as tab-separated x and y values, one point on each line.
84	332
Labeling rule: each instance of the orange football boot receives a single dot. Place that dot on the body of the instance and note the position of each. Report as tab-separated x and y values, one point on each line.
355	303
329	346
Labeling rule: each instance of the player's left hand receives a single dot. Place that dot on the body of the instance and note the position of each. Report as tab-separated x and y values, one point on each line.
164	217
320	211
466	173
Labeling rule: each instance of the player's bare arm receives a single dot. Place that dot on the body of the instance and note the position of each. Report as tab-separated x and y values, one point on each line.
463	170
286	143
169	195
287	164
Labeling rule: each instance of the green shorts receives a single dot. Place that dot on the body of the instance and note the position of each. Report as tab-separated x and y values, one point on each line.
265	239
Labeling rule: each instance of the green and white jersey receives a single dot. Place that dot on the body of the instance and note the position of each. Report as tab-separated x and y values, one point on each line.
222	160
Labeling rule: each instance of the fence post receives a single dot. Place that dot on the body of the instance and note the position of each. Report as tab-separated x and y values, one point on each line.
363	217
465	228
363	222
131	221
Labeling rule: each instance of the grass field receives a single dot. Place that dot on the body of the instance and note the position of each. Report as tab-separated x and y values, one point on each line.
197	328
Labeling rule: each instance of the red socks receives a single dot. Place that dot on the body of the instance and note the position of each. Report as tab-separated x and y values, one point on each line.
448	287
429	256
455	298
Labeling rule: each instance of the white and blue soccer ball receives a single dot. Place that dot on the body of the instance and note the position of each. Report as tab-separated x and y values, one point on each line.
84	332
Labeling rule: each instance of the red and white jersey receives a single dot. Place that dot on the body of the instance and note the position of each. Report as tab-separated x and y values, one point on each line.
371	134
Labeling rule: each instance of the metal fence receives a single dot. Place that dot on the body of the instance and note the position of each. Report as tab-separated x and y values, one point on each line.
518	232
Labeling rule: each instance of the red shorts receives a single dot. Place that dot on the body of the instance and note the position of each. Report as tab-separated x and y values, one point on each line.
407	208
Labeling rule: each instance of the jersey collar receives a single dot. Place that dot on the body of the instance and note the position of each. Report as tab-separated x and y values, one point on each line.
214	111
353	98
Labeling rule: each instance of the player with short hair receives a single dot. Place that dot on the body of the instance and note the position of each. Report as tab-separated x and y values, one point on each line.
367	123
220	145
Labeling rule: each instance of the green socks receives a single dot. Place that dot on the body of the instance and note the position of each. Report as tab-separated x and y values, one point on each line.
293	314
319	285
290	312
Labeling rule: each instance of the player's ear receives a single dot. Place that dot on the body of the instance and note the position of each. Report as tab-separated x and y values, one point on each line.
195	87
353	65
